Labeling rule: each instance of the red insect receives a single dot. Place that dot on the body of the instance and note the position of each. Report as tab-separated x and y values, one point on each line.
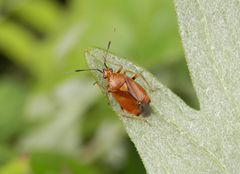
130	95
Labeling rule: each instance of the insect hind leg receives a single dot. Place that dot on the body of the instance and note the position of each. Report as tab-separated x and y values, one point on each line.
139	75
135	118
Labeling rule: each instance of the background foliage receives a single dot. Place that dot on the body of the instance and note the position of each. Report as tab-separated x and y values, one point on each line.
53	122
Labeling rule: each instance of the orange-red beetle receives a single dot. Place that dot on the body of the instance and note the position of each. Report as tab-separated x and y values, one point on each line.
131	96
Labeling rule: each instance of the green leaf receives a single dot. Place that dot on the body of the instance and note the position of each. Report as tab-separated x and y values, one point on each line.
16	43
16	166
47	14
179	139
55	163
12	98
59	131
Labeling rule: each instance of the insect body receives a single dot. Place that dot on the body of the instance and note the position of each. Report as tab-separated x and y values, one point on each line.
127	102
130	95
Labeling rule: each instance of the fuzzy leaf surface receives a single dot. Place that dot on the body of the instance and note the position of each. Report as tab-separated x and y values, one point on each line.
179	139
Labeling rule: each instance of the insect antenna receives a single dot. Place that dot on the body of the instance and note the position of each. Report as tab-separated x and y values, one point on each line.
105	57
94	69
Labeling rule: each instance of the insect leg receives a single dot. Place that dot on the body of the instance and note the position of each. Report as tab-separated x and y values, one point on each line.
101	86
104	88
95	83
137	75
134	117
120	67
137	118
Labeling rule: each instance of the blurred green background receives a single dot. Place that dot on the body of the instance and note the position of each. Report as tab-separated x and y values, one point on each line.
57	123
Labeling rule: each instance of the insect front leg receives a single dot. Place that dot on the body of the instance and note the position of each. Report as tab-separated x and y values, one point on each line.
120	67
101	86
104	88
